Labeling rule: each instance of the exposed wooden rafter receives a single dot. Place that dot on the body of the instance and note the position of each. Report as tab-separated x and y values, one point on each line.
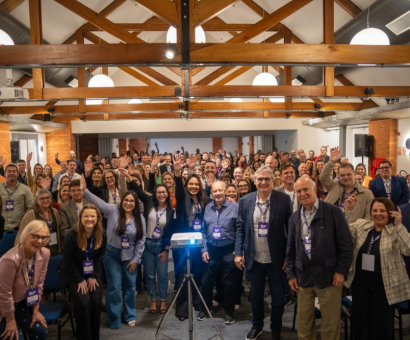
10	5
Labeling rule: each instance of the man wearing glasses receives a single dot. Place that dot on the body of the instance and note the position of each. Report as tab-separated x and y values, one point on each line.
393	187
16	198
260	246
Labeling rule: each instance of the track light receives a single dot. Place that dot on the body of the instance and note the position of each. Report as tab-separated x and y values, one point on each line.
317	106
171	51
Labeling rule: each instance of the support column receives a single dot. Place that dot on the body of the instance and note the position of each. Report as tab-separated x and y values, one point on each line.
239	144
61	141
122	144
342	139
385	140
216	143
251	145
139	144
5	148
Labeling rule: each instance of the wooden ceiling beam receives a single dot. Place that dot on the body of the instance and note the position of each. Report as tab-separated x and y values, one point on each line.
23	80
269	20
233	75
100	21
112	7
36	38
350	7
214	75
255	7
10	5
368	104
164	10
328	38
208	9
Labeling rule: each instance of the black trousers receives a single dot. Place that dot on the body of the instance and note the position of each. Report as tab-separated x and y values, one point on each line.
221	264
87	311
372	317
180	257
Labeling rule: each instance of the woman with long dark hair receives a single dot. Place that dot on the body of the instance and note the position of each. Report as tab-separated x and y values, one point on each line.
191	202
159	215
125	245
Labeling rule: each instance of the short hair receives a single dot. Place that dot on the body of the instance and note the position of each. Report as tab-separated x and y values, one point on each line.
238	167
33	227
385	161
286	166
286	153
263	169
389	205
75	183
218	182
324	147
224	175
359	174
71	161
346	165
21	161
209	161
11	165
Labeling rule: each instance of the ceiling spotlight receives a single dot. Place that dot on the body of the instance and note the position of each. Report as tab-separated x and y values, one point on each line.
368	91
321	114
317	106
171	51
287	114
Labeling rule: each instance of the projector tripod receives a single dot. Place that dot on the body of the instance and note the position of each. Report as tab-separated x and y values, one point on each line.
188	278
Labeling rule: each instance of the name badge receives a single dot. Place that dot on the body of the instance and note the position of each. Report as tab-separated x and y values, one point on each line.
88	267
368	262
341	207
9	205
157	233
216	234
32	296
53	239
389	195
125	242
307	241
197	225
263	229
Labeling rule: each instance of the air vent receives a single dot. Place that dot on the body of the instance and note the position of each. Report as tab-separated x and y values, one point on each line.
400	25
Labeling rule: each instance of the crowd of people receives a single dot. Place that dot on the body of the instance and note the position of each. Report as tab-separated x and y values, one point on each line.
305	225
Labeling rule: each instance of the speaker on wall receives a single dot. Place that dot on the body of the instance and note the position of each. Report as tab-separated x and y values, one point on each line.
363	146
15	151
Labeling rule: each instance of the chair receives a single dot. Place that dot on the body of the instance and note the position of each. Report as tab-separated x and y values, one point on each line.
318	315
402	308
7	242
54	312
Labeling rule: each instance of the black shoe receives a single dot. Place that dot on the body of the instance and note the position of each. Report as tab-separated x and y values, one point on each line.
181	318
201	316
254	333
229	318
276	336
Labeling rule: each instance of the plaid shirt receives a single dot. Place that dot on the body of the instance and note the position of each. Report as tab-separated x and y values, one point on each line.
394	242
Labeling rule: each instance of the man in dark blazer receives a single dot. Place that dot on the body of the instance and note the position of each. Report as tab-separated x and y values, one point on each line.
260	246
318	258
393	187
167	167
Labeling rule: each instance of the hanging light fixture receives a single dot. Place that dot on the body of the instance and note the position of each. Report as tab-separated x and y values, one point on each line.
5	39
267	79
200	37
235	100
370	36
99	80
135	101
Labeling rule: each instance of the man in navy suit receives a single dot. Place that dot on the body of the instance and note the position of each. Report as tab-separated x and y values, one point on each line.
261	247
393	187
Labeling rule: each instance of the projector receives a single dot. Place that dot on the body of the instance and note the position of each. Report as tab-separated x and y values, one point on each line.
184	240
13	94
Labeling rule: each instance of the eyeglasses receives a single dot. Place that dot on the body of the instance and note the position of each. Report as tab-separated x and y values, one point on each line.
261	179
43	199
384	168
129	201
37	237
161	193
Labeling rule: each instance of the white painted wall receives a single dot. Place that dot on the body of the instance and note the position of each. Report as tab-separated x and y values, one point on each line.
41	142
190	144
403	160
230	144
245	145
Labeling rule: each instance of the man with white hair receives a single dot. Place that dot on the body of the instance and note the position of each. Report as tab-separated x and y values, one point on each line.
318	258
261	246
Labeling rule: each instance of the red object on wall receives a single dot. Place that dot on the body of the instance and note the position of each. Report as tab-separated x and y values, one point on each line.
375	165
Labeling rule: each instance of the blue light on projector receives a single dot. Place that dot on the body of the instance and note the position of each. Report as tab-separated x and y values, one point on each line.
191	241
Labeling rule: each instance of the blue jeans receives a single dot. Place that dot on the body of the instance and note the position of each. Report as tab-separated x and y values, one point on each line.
153	267
257	279
23	315
119	276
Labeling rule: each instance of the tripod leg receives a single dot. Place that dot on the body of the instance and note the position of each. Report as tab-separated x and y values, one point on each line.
206	307
161	324
190	314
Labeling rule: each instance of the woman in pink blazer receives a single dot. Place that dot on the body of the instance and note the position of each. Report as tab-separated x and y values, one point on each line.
23	271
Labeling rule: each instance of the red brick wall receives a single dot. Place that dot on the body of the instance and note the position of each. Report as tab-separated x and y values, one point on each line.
251	145
122	145
61	141
5	149
88	145
216	143
139	144
240	144
385	139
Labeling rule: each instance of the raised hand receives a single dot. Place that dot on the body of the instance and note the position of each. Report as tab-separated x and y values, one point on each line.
397	216
225	165
335	154
126	173
57	155
2	161
29	157
88	166
198	151
177	163
45	183
123	162
83	184
191	162
156	144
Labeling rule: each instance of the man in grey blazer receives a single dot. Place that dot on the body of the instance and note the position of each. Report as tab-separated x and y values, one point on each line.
70	210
